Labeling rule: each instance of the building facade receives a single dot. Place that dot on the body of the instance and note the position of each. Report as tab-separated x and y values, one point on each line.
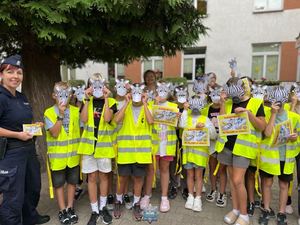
260	34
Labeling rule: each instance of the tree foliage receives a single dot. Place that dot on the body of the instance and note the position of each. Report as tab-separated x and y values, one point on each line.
107	30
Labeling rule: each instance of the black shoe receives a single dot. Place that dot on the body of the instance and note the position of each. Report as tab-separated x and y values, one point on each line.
281	219
72	216
110	202
257	203
93	219
78	193
137	212
250	209
264	217
64	218
127	201
42	219
105	216
172	192
185	193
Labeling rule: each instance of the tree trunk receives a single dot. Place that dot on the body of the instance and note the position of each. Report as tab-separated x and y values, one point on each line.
41	71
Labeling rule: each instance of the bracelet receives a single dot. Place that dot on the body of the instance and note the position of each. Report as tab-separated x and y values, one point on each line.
60	118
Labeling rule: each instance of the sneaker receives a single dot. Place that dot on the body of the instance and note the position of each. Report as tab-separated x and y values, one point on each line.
117	209
289	209
93	219
164	205
172	192
64	218
221	200
137	212
264	217
72	216
272	213
281	219
79	192
105	216
241	221
230	217
197	207
211	196
127	201
144	203
250	209
189	202
110	202
257	203
185	193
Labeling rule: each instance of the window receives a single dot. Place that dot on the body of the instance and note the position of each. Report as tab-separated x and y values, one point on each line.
119	70
265	61
201	6
193	62
153	63
267	5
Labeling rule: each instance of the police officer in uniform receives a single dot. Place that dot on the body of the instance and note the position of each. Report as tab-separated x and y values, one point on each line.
20	178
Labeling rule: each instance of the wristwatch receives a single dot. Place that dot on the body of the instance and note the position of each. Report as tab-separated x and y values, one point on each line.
60	118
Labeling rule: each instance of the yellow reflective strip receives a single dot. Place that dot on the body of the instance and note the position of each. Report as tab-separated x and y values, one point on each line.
61	155
51	192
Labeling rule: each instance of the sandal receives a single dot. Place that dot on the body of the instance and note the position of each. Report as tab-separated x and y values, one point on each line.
230	217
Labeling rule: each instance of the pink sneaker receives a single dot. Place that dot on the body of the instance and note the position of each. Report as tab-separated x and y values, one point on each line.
164	205
144	203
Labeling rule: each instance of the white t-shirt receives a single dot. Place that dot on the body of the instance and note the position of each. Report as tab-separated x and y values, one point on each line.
163	136
120	104
136	110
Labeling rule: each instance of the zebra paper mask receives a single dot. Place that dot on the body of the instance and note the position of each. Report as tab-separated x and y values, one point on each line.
121	87
296	90
97	86
163	89
63	95
235	91
259	91
200	86
79	92
279	95
136	92
215	94
181	94
197	103
151	95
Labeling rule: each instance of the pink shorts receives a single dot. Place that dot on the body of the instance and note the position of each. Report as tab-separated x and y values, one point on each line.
167	158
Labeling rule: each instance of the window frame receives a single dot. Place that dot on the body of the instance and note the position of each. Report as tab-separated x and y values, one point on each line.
265	54
152	59
267	9
116	69
194	57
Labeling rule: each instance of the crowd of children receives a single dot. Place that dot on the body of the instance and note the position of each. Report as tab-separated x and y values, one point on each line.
106	136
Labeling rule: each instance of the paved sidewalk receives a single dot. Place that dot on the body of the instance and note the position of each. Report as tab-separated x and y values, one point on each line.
178	215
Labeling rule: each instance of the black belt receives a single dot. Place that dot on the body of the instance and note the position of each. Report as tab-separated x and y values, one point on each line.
12	144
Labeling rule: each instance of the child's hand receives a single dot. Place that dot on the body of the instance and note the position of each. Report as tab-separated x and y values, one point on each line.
144	98
41	124
275	108
293	137
158	99
200	125
61	109
223	97
127	97
240	110
106	92
88	92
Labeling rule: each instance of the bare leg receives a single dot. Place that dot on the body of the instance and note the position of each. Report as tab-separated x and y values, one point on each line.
240	189
164	176
60	197
137	186
283	195
121	188
71	193
250	184
198	181
267	192
104	180
149	179
223	178
190	181
234	196
92	186
212	166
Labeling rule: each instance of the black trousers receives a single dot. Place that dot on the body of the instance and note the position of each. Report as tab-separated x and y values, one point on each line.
20	184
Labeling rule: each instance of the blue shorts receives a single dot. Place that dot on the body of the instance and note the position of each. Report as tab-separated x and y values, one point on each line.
190	165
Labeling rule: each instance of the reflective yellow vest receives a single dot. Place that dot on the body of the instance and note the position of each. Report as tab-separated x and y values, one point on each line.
246	145
270	156
62	151
134	140
104	147
171	136
195	154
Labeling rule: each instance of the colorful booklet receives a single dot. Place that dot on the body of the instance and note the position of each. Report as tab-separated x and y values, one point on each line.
195	137
165	115
33	129
234	124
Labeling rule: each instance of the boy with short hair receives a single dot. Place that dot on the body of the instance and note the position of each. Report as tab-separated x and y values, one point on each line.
62	134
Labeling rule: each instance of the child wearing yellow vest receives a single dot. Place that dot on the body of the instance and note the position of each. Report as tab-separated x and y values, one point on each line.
278	159
96	144
62	126
195	157
134	144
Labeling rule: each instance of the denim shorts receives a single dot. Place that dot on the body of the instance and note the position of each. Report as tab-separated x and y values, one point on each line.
190	165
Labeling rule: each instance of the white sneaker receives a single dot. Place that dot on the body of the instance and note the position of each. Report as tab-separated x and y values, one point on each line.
197	207
289	209
144	203
211	197
189	202
221	200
